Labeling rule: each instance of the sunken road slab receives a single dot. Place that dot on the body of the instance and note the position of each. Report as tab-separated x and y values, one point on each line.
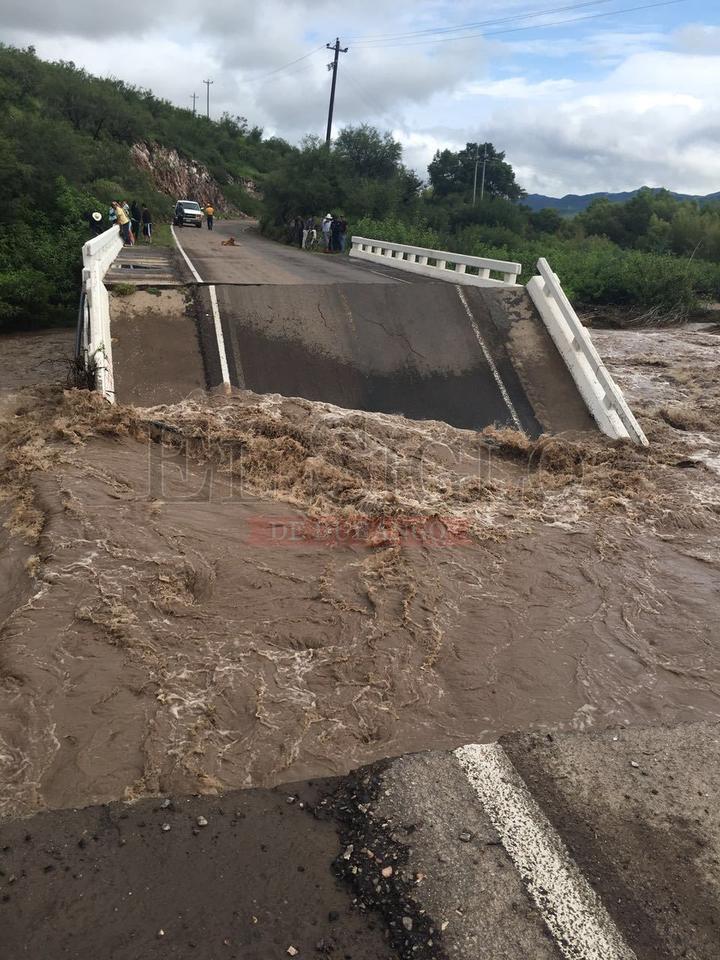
404	858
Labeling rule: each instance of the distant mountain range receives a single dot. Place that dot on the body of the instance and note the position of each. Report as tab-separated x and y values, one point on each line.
575	203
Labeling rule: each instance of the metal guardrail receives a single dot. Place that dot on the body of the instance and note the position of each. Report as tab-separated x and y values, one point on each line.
95	342
438	264
602	395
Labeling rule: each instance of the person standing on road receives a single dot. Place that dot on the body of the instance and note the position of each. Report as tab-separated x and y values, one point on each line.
326	232
297	230
125	207
135	219
335	235
307	227
123	221
146	224
210	215
343	234
112	214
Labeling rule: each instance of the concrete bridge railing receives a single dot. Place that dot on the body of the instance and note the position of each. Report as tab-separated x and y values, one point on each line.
438	264
601	394
94	341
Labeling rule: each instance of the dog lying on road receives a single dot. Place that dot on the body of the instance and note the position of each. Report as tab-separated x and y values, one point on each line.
230	242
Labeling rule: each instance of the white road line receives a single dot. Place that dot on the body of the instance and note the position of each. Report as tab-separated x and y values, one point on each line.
574	914
220	339
389	276
491	363
185	256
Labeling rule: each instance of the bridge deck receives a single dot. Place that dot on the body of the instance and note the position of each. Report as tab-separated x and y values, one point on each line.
145	265
355	334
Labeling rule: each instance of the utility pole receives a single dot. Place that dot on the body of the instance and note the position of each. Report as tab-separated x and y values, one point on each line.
334	67
482	184
194	97
207	84
475	173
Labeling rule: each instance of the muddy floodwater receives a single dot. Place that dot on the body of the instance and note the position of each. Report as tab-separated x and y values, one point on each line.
247	590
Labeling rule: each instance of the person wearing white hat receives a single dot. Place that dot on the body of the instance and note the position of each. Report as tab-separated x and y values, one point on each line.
94	222
326	232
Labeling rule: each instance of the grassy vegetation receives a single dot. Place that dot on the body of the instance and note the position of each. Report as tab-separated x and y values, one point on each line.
162	236
123	289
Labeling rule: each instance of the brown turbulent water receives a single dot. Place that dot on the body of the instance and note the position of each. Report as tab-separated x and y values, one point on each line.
247	590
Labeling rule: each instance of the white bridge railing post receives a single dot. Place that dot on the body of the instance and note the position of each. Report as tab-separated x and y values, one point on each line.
601	394
98	254
474	271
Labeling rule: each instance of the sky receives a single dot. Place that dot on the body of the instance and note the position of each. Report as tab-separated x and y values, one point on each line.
582	95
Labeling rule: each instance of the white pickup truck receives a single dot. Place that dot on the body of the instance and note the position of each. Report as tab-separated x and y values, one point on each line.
188	213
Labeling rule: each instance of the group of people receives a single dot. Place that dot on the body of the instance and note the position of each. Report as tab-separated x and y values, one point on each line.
134	221
333	230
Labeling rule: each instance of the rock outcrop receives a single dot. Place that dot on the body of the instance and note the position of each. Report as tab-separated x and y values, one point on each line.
179	178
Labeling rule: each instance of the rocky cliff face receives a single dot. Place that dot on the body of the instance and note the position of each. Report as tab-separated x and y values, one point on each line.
180	179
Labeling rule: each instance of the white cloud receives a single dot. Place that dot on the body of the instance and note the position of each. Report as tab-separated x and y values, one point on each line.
516	88
576	110
420	148
653	120
603	47
698	38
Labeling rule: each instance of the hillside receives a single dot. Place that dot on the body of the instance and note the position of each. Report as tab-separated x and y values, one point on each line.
70	142
573	203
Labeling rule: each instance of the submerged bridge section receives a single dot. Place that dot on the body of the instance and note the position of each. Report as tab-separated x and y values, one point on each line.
395	329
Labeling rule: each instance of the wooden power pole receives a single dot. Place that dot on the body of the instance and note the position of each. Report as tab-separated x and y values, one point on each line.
334	67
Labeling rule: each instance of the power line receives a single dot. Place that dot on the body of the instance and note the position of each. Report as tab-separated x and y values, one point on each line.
375	107
436	35
431	36
291	63
438	31
592	16
536	26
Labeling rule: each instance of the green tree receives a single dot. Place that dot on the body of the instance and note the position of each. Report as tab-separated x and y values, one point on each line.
367	152
362	175
546	220
454	172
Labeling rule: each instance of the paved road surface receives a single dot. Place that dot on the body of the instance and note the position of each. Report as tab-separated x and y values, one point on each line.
591	847
256	260
373	338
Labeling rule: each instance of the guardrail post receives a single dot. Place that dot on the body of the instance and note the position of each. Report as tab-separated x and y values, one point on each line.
602	396
98	254
439	264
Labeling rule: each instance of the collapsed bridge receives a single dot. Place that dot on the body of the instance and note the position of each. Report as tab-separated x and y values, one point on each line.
423	333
